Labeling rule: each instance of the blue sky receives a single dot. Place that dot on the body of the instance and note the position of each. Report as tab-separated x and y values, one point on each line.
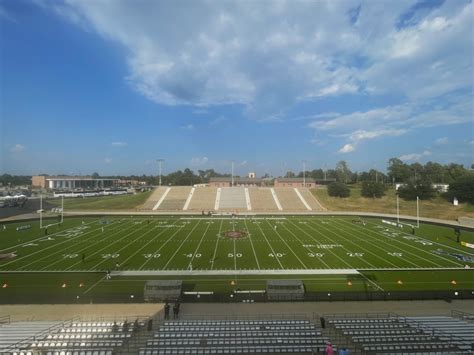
111	86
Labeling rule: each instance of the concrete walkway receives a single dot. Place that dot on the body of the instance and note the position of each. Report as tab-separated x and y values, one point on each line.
229	310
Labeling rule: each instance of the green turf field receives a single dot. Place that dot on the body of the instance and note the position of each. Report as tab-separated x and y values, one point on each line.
327	253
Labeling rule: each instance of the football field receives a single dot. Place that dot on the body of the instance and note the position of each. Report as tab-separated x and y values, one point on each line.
182	247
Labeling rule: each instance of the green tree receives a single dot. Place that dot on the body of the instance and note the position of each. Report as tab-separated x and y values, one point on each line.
338	189
421	189
343	173
398	171
372	189
462	189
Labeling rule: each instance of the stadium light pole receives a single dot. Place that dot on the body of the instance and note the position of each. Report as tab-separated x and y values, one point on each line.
160	161
398	211
324	172
232	179
304	172
417	212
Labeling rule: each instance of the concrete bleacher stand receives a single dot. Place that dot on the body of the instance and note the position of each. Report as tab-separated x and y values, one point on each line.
233	199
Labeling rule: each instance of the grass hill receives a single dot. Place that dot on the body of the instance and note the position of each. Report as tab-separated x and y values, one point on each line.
435	208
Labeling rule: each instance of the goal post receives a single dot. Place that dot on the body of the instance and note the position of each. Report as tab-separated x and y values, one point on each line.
59	211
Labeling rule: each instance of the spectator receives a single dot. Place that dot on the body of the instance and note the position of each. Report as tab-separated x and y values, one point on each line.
329	350
167	310
175	310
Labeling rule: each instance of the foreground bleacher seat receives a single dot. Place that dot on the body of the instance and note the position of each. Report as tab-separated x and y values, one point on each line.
64	338
403	335
235	337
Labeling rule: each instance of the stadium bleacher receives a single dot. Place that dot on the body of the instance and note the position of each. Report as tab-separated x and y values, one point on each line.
154	198
175	199
392	334
310	199
261	199
232	198
258	199
71	337
235	337
203	199
289	200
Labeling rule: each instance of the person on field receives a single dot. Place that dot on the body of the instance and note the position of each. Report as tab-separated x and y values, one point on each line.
167	310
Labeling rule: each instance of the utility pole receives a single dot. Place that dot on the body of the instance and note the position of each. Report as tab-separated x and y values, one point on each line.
160	161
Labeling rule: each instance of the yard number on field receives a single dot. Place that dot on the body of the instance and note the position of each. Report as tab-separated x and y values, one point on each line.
277	255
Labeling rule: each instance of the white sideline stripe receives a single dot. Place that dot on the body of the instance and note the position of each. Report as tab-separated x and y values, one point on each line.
275	198
308	207
188	201
161	199
235	272
218	199
247	199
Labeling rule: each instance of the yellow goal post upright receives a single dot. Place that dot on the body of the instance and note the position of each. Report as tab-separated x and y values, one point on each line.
53	210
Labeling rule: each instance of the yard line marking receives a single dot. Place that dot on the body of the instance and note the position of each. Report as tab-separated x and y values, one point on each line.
177	250
302	263
351	233
337	256
80	251
197	248
381	238
357	245
251	243
94	285
115	242
47	248
312	251
34	240
162	245
372	282
150	241
424	251
273	251
217	242
431	241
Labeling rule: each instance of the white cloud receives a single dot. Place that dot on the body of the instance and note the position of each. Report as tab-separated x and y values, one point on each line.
415	156
270	59
442	140
17	148
198	161
218	120
118	144
347	148
107	160
188	127
361	135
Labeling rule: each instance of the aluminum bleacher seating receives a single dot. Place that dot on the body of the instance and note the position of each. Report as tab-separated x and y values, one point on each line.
235	337
399	335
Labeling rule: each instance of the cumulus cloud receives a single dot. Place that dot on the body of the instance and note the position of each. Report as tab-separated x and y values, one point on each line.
347	148
442	140
107	160
118	144
269	59
17	148
415	156
198	161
